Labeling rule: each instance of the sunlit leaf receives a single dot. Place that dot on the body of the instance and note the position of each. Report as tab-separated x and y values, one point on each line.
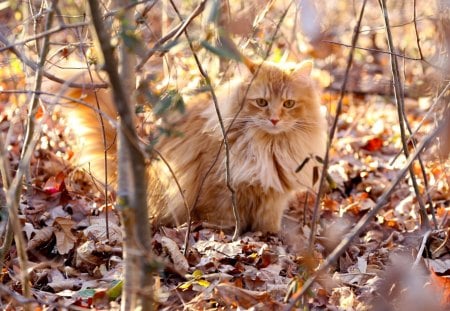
186	285
373	144
203	283
115	290
197	274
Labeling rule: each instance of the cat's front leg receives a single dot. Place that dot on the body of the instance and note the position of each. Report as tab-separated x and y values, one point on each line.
267	216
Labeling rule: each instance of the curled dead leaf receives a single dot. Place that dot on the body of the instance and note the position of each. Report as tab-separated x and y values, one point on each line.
179	261
41	237
85	254
239	297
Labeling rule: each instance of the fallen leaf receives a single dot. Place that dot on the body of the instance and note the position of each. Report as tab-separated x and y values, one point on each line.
442	283
438	265
218	250
85	254
41	237
65	240
373	144
54	184
239	297
97	232
59	282
178	259
29	230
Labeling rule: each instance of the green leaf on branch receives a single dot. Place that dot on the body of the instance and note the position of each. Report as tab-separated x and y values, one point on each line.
221	52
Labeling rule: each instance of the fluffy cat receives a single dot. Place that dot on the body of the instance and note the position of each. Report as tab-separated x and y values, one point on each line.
278	123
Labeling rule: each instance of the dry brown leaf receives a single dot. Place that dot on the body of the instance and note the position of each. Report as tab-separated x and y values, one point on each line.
29	230
218	250
41	237
59	282
65	240
438	265
97	232
85	254
343	298
179	261
239	297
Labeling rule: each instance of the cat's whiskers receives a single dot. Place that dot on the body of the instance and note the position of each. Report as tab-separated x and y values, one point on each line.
307	124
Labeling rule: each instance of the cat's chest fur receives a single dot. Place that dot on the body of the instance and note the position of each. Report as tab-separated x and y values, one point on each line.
269	161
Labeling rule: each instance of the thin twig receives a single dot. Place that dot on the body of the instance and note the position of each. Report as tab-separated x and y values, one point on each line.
5	171
43	35
430	110
444	243
35	18
269	48
128	7
71	100
399	99
222	128
367	218
30	137
133	188
334	128
417	32
175	33
399	25
421	249
371	50
422	167
105	149
186	205
34	66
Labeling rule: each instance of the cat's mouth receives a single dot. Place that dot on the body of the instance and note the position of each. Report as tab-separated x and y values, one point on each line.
274	128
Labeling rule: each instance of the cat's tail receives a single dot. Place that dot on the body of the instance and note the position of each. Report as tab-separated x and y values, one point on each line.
91	116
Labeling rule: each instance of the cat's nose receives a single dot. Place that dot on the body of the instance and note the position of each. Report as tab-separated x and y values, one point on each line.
274	121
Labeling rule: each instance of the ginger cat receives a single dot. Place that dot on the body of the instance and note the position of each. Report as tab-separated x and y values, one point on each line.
278	126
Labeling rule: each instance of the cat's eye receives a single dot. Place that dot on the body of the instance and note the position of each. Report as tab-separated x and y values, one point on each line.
261	102
289	103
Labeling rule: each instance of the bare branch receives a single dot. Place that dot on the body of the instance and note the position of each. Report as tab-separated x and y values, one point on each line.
371	50
133	189
334	127
174	33
180	190
417	32
399	100
43	34
222	127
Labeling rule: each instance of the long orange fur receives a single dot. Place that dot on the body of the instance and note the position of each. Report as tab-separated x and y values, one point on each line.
264	153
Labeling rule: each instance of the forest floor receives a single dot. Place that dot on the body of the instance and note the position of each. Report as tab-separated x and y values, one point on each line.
74	243
72	262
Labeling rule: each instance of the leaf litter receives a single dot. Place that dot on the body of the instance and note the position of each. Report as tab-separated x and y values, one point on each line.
73	264
68	231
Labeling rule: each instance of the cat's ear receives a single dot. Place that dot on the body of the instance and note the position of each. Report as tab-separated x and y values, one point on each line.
304	68
251	65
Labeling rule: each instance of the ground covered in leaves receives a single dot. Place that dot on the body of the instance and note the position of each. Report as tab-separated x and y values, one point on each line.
73	262
74	241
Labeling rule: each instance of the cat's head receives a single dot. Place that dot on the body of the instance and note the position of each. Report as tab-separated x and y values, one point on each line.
279	98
